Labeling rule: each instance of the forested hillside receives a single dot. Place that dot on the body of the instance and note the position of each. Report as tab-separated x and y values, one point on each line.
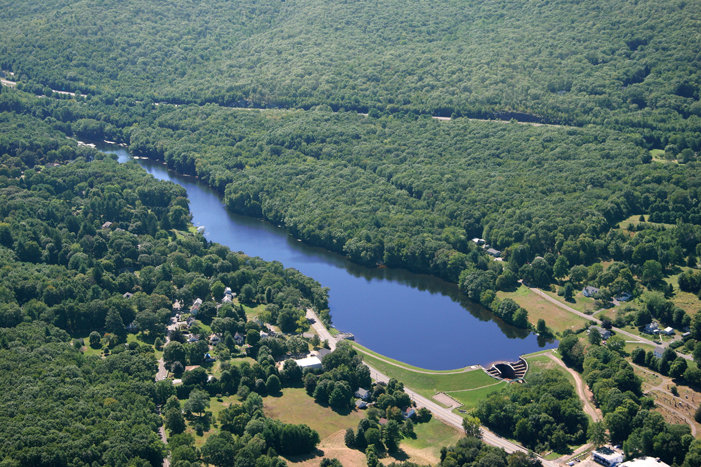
92	247
562	61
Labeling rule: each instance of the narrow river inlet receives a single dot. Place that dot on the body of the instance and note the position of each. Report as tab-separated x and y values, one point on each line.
414	318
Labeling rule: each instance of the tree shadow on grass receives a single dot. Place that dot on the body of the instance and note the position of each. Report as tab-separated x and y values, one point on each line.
305	457
399	455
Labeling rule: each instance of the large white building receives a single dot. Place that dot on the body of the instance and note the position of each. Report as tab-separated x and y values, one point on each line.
607	457
311	363
644	462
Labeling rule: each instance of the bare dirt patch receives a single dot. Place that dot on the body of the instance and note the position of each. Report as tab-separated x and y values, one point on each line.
446	400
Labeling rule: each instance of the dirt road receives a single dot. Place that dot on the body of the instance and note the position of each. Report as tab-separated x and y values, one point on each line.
589	407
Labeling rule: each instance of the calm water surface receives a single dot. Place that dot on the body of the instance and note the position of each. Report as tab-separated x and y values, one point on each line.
415	318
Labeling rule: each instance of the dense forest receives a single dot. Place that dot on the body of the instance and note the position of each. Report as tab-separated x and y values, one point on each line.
568	139
412	193
90	246
638	65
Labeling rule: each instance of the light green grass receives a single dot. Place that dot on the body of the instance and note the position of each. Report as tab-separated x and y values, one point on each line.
471	399
555	317
429	384
362	349
581	303
295	406
433	435
688	302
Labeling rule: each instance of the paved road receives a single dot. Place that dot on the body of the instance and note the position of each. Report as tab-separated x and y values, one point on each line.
632	336
443	414
161	375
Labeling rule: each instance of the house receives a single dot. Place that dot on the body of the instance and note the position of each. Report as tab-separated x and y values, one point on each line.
658	351
214	339
208	358
227	291
361	404
321	353
409	412
263	334
196	306
177	306
239	339
607	457
686	335
193	338
362	393
624	297
106	225
128	295
644	462
494	252
309	363
652	328
226	299
590	291
604	333
478	241
668	331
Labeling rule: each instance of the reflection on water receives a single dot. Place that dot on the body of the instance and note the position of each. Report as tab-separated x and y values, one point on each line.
415	318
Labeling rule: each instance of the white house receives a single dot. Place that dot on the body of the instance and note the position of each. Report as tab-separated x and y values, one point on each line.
667	331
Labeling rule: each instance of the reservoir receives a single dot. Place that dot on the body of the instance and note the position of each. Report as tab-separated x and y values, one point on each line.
417	319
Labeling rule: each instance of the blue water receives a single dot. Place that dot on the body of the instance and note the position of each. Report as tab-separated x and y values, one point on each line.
418	319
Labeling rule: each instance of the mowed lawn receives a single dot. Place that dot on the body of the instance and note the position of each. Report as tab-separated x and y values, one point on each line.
295	406
430	437
472	397
427	384
555	317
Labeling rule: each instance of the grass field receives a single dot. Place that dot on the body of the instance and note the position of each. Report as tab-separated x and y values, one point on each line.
430	437
429	384
684	300
581	303
295	406
555	317
472	397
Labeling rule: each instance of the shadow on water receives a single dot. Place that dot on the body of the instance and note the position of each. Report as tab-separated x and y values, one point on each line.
415	318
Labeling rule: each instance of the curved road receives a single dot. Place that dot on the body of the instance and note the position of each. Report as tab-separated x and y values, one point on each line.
589	408
634	337
445	415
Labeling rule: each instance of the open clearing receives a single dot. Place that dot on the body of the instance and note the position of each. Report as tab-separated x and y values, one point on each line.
429	384
295	406
555	317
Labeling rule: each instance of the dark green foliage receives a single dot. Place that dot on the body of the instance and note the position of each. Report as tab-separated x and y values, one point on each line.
472	452
545	412
67	406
